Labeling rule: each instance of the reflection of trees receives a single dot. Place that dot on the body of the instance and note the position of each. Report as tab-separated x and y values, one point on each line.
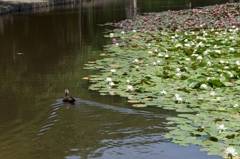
206	2
233	1
46	41
131	8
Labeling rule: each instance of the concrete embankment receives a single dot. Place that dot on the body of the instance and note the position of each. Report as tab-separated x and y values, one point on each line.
8	6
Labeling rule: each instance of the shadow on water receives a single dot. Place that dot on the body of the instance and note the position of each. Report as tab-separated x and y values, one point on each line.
44	52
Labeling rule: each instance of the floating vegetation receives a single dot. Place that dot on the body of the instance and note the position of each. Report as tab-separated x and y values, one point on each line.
187	61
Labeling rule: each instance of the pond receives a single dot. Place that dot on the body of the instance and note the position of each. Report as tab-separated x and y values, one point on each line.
42	53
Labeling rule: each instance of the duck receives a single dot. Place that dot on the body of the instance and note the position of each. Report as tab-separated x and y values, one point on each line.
68	98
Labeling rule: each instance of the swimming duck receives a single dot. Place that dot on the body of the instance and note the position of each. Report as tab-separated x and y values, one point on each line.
68	98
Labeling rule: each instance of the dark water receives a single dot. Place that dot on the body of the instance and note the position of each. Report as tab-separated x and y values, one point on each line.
42	53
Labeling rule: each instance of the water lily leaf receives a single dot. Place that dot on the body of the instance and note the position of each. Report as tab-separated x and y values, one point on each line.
228	84
139	105
134	101
215	83
97	79
149	99
86	78
20	53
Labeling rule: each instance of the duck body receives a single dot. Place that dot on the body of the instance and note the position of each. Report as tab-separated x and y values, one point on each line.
68	98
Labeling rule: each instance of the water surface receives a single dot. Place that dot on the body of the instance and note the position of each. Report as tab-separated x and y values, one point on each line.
42	53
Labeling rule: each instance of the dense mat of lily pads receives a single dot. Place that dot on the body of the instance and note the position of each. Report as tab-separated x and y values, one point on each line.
188	61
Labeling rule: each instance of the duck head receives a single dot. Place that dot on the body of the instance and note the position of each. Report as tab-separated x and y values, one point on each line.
66	92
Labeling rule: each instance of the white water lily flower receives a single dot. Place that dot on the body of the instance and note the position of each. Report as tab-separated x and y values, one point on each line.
178	98
209	63
178	70
231	49
166	56
178	45
200	44
111	35
188	59
136	61
203	86
122	32
150	52
226	67
134	31
177	30
129	88
230	151
113	70
128	81
231	37
199	57
218	98
186	40
194	55
156	50
215	46
208	78
235	105
154	63
230	74
178	75
187	45
206	52
205	34
163	92
218	51
158	61
222	61
221	127
111	83
109	79
116	44
238	62
212	93
160	55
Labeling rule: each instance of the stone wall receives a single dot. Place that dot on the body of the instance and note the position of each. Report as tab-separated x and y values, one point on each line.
8	6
